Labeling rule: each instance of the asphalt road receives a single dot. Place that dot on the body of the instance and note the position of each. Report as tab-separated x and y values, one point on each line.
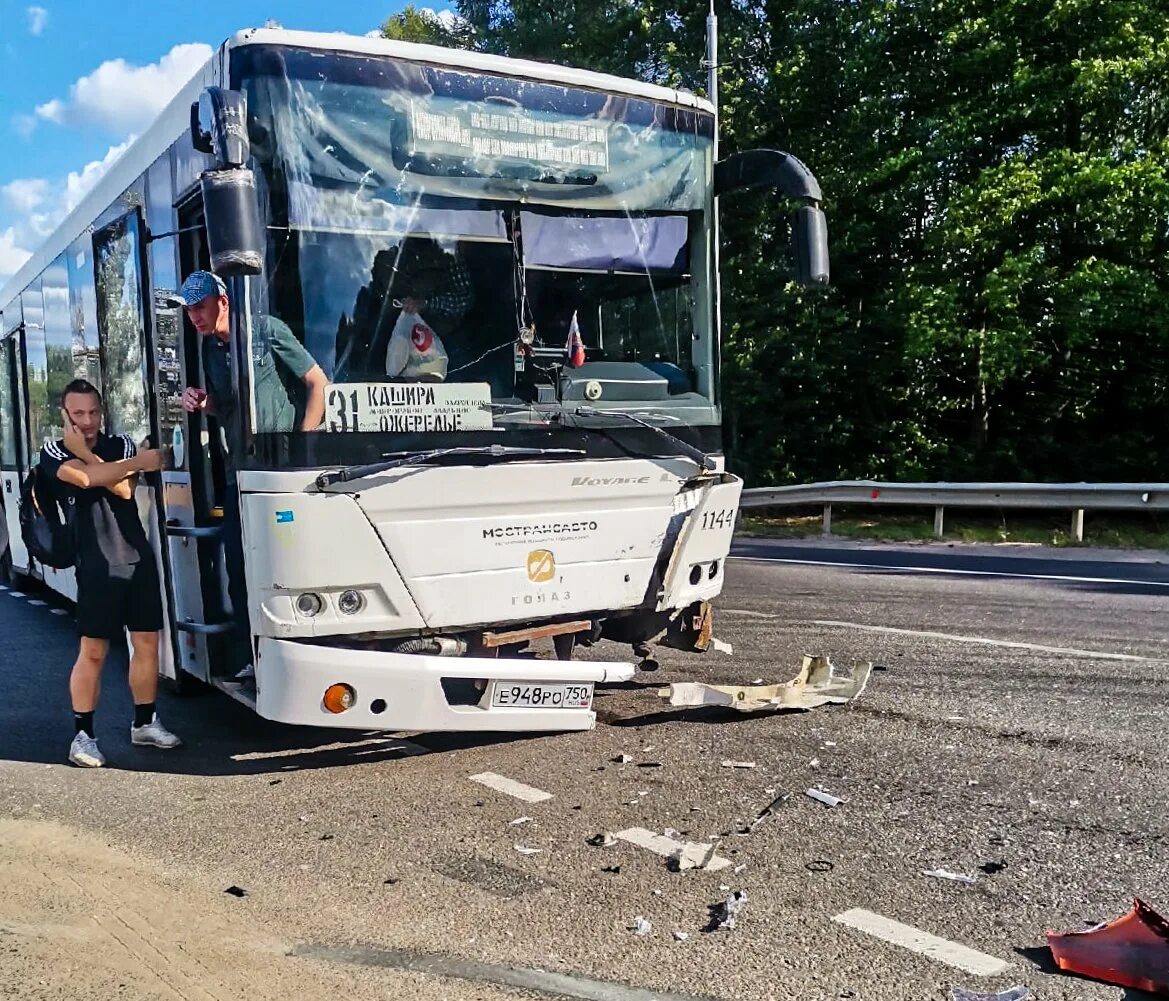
1015	733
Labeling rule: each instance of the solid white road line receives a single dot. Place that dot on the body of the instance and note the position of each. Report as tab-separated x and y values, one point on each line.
509	787
942	570
983	640
916	940
659	844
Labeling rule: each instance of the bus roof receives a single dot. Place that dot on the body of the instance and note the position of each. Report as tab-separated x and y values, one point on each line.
175	117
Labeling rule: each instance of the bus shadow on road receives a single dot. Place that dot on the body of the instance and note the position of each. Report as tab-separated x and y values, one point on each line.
221	737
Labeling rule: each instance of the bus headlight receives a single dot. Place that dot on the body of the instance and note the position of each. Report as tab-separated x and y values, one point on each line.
309	604
351	602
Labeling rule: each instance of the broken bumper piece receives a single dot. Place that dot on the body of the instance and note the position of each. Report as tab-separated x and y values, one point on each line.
1132	951
817	684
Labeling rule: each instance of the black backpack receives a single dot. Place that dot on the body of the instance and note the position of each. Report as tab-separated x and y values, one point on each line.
46	522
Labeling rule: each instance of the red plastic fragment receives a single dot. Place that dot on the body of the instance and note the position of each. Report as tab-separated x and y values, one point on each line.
1132	951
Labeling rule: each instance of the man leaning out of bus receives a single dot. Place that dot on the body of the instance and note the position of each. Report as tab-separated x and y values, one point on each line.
289	388
118	587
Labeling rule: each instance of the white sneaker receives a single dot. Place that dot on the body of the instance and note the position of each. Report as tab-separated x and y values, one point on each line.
154	734
245	676
84	752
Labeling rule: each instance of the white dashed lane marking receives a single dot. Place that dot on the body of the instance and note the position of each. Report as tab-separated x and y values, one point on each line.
509	787
915	940
982	640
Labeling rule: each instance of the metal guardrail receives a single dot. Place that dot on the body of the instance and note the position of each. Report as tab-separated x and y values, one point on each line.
1076	497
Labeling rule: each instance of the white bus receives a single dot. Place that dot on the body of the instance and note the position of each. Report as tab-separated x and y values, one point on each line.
402	557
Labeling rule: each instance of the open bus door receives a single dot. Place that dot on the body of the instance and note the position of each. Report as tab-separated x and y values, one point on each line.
194	487
14	452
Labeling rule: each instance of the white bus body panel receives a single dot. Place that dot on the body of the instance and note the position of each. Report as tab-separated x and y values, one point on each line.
11	482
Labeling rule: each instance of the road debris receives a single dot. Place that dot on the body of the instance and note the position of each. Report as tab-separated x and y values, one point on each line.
763	814
603	840
820	796
816	684
523	850
990	868
725	913
956	877
738	764
518	821
672	850
681	936
1132	951
691	855
1013	994
720	646
613	869
236	891
622	759
641	926
819	865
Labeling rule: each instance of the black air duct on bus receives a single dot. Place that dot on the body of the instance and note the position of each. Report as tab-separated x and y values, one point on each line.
235	237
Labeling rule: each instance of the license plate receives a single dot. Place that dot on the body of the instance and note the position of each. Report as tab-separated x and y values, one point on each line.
531	695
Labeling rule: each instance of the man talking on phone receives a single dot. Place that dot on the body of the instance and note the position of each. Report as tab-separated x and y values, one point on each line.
118	588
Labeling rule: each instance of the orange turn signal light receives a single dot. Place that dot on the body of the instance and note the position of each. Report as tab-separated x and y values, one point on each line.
338	698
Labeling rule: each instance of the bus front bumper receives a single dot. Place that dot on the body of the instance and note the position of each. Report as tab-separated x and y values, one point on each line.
397	691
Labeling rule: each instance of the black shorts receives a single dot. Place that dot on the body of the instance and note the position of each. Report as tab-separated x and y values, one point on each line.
111	601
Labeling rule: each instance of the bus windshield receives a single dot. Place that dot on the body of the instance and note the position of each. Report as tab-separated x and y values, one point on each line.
482	238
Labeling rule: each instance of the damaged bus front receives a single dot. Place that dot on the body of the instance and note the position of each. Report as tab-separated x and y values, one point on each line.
507	273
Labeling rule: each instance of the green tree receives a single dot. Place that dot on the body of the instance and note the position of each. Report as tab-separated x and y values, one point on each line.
414	24
996	176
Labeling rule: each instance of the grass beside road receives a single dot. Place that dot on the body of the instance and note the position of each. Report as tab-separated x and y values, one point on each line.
912	525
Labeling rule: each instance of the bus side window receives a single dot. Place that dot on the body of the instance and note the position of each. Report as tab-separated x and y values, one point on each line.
120	321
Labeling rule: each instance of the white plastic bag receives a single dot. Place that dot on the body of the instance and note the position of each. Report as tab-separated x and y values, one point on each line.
415	351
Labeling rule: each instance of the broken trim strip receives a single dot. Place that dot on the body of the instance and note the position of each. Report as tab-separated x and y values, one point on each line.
923	943
659	844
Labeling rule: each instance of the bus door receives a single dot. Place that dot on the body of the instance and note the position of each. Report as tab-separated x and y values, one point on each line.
194	488
14	449
133	385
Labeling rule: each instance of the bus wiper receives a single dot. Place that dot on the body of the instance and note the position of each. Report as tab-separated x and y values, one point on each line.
417	458
705	462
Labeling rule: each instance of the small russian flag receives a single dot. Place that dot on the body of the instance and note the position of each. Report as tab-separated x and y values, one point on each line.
575	346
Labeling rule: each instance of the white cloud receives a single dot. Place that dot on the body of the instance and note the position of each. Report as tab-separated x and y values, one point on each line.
36	205
12	255
25	194
25	125
38	17
124	98
446	17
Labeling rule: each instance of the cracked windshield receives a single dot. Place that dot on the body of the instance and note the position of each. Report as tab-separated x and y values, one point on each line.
452	239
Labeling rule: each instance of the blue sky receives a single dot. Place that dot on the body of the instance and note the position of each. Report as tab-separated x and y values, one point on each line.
79	78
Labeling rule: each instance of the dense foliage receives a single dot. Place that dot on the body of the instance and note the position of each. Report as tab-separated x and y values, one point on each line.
996	175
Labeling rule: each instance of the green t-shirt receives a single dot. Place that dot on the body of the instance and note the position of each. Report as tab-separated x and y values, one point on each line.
279	365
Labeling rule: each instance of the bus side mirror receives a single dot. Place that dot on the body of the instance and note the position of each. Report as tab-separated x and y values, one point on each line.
772	168
219	126
810	243
231	209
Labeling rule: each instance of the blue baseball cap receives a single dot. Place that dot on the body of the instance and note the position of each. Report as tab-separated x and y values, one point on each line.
198	286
